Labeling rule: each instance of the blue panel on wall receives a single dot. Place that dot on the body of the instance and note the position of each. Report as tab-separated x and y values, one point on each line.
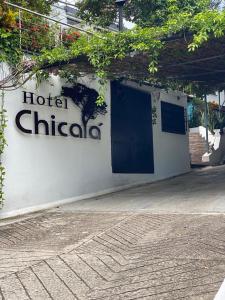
131	130
173	118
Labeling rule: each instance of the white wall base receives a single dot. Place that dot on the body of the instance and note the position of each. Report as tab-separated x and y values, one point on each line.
36	208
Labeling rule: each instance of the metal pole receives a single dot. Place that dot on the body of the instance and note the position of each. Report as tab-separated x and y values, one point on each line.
206	124
20	28
121	18
219	105
60	34
220	110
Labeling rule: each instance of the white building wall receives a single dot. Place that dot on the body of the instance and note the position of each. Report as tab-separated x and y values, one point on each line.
43	171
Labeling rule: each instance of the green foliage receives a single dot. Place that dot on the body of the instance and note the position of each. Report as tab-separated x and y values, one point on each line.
143	13
41	6
3	143
11	53
216	119
9	39
37	34
102	49
69	37
197	115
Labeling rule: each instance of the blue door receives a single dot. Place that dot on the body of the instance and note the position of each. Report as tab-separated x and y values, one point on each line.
131	130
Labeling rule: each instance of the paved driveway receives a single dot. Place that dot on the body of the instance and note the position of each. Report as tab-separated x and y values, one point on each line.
200	191
129	245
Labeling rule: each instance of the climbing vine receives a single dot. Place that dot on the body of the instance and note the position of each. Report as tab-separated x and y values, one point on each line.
3	124
9	53
11	61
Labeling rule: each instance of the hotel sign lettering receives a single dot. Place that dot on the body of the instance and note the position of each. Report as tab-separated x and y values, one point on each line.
51	127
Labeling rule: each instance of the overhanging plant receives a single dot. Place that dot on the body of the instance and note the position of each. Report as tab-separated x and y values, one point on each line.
3	143
103	48
9	53
11	57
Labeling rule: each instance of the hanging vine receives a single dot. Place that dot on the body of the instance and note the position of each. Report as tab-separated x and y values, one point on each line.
13	68
3	143
102	49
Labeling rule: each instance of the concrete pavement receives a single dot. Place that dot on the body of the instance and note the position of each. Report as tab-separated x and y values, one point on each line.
127	245
201	191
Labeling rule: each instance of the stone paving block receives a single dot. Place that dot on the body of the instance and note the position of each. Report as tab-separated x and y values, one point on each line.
141	256
52	282
14	260
33	285
12	289
72	280
147	284
89	275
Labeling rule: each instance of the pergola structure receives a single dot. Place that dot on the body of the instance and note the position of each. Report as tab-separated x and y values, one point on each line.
204	67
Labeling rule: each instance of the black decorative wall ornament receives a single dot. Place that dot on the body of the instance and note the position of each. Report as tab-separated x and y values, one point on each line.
85	98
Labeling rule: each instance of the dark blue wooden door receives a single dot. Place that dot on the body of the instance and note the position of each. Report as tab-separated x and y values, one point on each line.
131	130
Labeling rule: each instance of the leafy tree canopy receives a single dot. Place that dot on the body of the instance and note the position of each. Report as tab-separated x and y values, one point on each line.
9	27
41	6
141	12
